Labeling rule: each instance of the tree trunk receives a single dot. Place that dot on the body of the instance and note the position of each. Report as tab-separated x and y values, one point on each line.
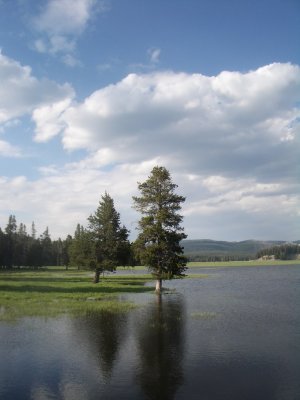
158	286
97	276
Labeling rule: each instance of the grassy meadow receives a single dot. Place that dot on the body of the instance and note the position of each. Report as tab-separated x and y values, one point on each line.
54	291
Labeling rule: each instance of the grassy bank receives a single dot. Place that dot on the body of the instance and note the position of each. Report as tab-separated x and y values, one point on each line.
52	292
242	263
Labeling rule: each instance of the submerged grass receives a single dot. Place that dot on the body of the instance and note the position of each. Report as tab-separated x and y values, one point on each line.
203	315
54	292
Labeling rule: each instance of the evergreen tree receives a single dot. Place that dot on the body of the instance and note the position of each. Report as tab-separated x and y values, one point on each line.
11	227
33	230
57	252
110	238
65	251
20	246
35	253
81	249
2	248
160	234
47	255
10	248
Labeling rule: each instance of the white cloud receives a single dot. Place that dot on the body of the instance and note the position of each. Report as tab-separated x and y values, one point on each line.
48	119
21	92
221	194
61	17
208	123
61	22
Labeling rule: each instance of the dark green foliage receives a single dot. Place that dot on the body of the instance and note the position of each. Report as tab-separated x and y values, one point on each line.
81	249
110	239
18	249
158	243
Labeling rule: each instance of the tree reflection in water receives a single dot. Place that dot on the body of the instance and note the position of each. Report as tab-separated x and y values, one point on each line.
160	338
105	332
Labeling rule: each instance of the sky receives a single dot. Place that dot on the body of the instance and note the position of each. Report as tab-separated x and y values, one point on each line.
95	93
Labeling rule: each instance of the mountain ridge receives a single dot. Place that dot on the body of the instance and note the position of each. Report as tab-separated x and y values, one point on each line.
200	249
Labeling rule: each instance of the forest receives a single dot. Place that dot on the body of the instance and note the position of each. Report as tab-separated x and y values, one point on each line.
287	251
20	248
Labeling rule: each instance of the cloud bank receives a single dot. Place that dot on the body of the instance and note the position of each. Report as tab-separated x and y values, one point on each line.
231	143
233	124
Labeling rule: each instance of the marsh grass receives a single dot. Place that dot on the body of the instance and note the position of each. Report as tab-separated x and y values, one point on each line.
53	292
199	276
203	315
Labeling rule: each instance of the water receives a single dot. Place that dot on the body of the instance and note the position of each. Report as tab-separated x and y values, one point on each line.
234	335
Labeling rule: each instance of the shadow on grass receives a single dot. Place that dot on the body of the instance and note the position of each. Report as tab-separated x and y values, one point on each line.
114	278
40	279
127	287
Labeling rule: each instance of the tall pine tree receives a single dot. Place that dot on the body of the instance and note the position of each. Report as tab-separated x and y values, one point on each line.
160	234
110	238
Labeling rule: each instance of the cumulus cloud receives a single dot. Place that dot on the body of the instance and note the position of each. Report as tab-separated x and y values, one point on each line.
209	123
61	22
21	92
48	119
222	194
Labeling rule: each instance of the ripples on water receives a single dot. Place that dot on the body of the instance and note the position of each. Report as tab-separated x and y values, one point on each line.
234	335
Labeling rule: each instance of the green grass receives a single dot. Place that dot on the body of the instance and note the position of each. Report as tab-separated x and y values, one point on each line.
136	268
53	292
242	263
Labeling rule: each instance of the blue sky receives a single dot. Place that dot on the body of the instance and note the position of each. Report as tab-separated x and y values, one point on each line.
94	93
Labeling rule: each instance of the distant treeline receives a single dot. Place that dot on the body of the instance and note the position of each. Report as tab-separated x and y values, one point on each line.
217	258
22	249
286	251
18	248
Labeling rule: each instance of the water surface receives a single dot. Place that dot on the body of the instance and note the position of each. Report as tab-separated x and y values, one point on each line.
234	335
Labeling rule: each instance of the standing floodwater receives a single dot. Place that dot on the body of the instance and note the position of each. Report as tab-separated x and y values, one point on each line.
234	335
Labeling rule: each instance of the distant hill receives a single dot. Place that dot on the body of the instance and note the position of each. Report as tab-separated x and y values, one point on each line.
206	249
